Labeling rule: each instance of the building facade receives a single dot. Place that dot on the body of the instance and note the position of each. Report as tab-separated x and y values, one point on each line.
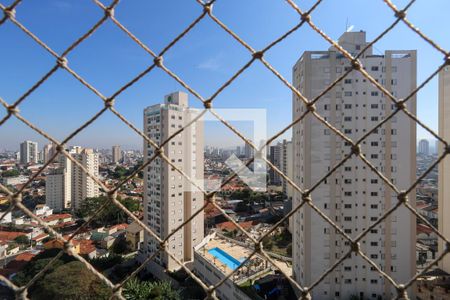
354	197
84	186
169	199
424	147
248	151
47	152
67	185
28	152
116	154
444	166
287	167
58	185
275	159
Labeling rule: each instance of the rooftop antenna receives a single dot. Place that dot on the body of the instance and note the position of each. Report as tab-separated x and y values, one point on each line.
347	27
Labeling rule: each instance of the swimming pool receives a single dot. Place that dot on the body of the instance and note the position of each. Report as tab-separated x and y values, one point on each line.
225	258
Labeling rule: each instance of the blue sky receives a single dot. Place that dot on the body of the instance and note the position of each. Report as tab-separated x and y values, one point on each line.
205	58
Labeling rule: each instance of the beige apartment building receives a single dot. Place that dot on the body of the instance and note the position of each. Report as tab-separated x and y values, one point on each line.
67	185
169	199
354	197
116	154
28	152
84	186
444	166
47	152
58	185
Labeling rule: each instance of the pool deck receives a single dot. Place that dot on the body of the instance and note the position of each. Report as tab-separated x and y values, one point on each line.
238	252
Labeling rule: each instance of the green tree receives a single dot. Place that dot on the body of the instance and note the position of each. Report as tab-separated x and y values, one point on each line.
22	239
38	263
10	173
120	172
143	290
131	204
111	214
71	281
267	243
104	263
121	246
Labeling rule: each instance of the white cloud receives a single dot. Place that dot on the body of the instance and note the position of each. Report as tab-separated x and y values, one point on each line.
212	63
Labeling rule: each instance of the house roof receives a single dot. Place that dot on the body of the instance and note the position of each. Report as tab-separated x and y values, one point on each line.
228	226
436	273
40	237
134	228
56	217
422	228
86	246
9	235
122	226
19	262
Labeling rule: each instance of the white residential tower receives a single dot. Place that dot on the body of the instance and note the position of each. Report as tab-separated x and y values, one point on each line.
169	199
354	197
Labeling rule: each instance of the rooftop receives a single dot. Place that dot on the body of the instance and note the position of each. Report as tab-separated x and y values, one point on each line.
229	226
9	235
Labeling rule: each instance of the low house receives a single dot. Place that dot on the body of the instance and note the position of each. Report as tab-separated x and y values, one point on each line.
135	235
229	226
7	218
21	179
58	244
9	236
3	249
42	210
57	219
39	238
87	248
105	237
18	263
426	235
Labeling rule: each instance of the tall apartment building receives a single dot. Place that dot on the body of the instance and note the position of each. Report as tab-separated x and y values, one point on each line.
248	151
67	185
116	154
275	159
169	199
28	152
424	147
58	185
444	166
84	186
48	152
287	166
281	157
354	197
238	151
